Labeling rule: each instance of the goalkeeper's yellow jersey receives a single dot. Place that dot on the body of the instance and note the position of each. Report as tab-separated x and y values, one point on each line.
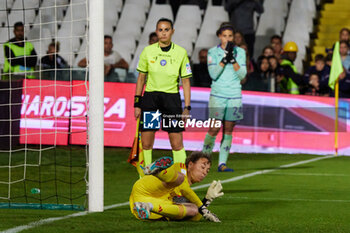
150	187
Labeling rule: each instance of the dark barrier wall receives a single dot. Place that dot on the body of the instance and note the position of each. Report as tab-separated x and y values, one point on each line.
10	113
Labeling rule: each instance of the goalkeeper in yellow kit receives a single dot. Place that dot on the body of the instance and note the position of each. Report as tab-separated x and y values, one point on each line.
164	192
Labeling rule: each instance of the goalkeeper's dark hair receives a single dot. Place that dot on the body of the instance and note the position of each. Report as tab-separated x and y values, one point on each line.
225	26
166	20
197	155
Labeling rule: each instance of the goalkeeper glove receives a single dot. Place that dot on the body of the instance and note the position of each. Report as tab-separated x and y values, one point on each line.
214	191
225	59
207	214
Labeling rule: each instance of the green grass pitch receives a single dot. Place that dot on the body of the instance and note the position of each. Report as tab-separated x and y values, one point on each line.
311	197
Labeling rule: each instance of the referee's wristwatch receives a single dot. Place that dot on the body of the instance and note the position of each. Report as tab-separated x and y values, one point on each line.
188	107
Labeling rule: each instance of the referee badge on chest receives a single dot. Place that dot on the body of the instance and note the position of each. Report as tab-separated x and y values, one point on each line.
163	62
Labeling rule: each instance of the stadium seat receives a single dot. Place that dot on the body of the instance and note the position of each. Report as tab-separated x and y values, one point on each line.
116	5
27	4
190	14
69	46
272	20
125	46
132	15
82	53
27	17
184	42
215	13
157	11
110	17
135	60
189	32
145	4
5	34
204	41
5	5
51	9
134	33
72	28
77	10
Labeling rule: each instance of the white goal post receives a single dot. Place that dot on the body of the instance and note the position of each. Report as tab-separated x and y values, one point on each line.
96	106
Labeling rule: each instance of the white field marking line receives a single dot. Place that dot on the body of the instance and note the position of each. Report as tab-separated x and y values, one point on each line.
266	171
49	220
288	199
309	174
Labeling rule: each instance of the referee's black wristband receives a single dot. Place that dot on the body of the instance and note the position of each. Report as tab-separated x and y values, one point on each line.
137	101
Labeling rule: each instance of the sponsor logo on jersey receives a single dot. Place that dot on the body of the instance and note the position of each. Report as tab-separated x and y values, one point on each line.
210	59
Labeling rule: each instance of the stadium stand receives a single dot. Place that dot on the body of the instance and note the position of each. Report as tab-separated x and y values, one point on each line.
333	17
293	19
213	17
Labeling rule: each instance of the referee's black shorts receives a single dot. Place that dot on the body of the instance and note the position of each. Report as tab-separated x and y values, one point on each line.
168	104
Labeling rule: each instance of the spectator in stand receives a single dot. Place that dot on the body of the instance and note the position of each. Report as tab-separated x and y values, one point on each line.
322	71
239	38
273	64
287	76
344	53
52	60
249	62
344	85
152	38
241	15
276	43
259	80
112	59
329	59
20	55
314	86
344	35
267	51
201	77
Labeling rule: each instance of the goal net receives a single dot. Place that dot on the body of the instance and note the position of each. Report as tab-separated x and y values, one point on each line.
43	104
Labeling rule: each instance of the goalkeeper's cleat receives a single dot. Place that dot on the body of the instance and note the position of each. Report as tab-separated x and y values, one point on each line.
143	209
222	168
158	165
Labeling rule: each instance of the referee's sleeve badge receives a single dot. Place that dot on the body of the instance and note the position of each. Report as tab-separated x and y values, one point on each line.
188	68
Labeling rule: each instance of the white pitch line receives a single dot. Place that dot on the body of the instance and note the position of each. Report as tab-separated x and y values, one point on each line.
233	179
309	174
288	199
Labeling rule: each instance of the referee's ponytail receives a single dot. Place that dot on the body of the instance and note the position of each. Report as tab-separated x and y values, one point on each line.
225	26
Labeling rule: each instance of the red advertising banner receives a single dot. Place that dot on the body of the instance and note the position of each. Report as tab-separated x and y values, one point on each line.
45	112
55	112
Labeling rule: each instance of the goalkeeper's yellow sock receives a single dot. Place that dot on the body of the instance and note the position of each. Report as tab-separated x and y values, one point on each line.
225	148
147	156
179	156
209	143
